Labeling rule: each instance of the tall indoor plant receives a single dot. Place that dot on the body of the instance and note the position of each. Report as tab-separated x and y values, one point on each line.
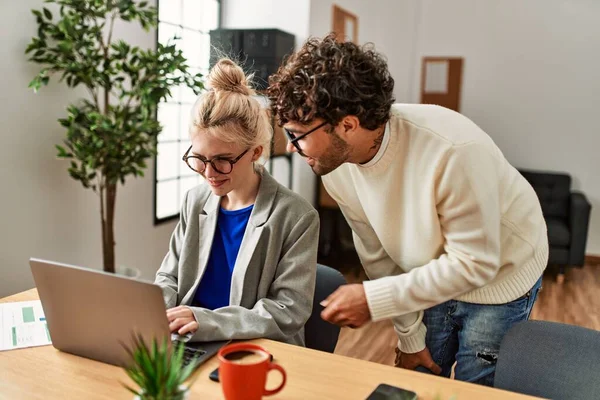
112	132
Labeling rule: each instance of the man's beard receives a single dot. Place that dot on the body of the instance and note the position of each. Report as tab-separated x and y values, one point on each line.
335	155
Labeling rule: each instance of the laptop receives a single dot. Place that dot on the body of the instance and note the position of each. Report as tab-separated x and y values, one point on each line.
94	314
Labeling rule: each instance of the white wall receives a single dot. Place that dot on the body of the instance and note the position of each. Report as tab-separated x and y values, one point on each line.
388	24
531	80
43	212
290	16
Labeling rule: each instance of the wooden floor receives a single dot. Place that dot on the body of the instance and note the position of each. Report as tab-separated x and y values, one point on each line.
576	302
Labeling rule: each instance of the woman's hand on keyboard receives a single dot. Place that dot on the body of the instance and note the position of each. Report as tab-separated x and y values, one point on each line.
181	320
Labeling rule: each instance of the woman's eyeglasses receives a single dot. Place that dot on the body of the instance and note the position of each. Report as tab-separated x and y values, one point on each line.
221	165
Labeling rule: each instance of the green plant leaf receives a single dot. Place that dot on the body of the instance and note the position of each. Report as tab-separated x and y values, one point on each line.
132	390
47	13
62	152
156	369
189	370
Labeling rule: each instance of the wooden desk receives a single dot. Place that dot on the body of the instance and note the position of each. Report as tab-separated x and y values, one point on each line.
46	373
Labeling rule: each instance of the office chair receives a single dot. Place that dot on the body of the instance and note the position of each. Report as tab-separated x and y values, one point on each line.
321	335
549	360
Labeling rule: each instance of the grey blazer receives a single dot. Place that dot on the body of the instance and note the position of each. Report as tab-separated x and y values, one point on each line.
273	280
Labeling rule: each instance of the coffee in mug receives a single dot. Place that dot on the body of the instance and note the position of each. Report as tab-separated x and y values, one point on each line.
243	372
245	357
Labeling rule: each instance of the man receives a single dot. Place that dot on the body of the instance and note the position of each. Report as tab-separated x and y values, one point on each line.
451	236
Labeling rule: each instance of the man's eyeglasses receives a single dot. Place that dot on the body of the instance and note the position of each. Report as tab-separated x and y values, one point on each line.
221	165
294	139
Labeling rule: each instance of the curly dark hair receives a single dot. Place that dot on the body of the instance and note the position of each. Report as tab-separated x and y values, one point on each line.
329	79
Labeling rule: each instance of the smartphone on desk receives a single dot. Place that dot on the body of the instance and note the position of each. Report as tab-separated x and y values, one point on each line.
388	392
214	375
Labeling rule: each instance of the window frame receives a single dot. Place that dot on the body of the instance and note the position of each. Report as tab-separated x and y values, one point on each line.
161	220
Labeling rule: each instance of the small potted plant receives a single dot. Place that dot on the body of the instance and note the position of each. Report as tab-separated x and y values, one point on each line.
159	370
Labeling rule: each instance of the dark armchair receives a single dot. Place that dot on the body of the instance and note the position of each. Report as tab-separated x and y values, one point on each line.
567	215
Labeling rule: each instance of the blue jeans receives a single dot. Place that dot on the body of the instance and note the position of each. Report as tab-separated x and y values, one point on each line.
470	334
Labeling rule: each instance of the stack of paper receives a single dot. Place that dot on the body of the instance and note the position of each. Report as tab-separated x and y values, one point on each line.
23	324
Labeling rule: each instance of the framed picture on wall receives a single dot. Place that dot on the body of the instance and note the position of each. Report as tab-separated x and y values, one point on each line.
344	24
441	81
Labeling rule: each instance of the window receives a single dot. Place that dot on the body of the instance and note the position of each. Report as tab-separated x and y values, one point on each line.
190	21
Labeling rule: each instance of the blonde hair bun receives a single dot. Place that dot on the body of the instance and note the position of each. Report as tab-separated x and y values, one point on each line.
230	111
227	76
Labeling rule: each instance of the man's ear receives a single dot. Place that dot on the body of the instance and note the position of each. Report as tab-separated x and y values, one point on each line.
257	153
349	124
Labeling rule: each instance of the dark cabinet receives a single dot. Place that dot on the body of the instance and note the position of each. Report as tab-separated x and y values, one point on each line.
260	51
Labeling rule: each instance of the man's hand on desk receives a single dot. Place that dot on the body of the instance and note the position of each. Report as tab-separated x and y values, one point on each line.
181	320
411	361
347	306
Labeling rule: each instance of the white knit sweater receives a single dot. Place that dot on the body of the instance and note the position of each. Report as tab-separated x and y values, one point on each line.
439	214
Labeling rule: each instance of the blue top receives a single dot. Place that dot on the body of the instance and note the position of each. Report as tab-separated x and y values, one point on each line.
215	285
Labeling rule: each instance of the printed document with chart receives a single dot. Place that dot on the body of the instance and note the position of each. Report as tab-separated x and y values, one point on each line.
23	324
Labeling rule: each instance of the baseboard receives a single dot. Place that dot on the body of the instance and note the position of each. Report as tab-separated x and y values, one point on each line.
591	259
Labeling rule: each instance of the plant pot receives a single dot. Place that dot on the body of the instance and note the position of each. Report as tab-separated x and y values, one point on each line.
129	272
185	394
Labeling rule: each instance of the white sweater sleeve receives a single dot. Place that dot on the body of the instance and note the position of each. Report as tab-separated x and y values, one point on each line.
409	327
467	198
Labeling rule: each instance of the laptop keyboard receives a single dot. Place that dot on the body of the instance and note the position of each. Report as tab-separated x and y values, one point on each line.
189	354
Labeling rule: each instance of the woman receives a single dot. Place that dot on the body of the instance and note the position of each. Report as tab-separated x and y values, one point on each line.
242	259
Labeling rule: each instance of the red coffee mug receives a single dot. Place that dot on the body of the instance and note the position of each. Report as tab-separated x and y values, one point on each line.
245	379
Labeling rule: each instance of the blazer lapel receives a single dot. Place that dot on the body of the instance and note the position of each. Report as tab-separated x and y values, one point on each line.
260	214
207	224
249	242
